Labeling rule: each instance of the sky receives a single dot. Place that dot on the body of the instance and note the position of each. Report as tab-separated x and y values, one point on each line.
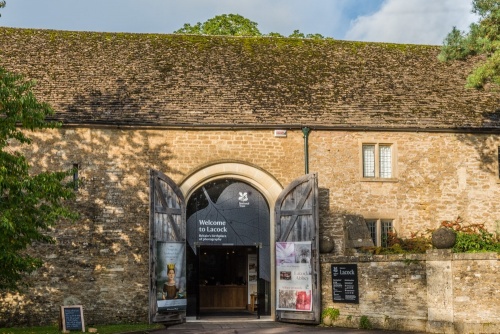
392	21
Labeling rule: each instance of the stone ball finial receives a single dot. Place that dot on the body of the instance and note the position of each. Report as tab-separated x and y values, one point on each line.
326	244
443	238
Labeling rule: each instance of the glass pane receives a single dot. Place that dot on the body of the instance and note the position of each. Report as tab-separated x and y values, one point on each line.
385	161
386	229
368	160
372	228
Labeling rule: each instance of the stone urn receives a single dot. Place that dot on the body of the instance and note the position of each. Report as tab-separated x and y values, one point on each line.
443	238
326	244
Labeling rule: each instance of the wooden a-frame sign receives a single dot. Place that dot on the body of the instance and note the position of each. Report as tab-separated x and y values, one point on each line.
72	318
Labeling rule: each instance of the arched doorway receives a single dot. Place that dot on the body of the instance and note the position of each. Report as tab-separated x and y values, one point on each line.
293	224
262	183
228	253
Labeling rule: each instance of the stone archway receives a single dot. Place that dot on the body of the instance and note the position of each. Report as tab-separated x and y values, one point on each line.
264	182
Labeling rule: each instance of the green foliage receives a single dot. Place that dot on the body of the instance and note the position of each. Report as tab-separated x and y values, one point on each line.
234	25
315	36
226	24
274	34
365	323
416	244
470	238
482	38
29	204
489	71
330	312
297	34
189	29
473	238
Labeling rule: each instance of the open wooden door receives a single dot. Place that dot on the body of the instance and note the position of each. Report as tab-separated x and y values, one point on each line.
298	297
167	251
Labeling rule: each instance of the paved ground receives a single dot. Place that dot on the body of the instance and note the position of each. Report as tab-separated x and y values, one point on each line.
260	326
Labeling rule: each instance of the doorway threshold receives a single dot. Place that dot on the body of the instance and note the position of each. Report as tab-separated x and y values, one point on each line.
229	319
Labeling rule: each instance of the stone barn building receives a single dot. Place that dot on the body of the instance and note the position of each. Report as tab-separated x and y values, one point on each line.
239	174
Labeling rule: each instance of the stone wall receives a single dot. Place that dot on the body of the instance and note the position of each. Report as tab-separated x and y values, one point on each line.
437	292
101	261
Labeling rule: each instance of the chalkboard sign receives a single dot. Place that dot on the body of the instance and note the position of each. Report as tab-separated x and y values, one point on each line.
345	283
72	318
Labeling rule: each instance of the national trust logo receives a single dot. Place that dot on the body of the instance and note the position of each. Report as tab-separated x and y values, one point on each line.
243	199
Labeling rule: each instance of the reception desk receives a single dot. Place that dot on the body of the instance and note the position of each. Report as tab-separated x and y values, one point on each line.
223	297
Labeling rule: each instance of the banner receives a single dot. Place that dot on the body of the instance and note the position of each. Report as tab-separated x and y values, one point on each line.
171	276
294	276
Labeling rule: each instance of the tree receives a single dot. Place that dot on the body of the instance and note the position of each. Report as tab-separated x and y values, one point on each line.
297	34
29	204
234	25
226	24
483	38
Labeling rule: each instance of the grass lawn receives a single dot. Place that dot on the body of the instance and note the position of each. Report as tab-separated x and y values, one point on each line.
101	329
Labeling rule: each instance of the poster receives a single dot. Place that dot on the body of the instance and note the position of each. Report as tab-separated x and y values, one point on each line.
294	276
252	275
171	276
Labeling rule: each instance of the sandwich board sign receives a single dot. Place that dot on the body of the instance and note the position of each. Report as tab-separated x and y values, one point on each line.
72	318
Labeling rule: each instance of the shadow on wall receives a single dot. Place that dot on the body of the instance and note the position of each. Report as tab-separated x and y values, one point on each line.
340	232
487	145
102	260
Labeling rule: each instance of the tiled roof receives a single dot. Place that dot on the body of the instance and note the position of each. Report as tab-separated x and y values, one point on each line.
210	81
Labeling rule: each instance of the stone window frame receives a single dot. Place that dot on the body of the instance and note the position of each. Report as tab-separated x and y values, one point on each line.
377	145
378	229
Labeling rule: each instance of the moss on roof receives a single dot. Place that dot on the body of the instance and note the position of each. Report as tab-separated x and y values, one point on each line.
192	80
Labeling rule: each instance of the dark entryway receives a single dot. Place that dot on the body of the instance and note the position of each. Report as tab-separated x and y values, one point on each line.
228	258
227	280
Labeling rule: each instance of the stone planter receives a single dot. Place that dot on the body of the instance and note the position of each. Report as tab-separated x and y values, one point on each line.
443	238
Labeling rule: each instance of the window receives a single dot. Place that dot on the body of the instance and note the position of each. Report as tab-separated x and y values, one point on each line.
377	161
379	230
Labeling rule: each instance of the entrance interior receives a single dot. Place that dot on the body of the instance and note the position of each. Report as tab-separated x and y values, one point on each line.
227	280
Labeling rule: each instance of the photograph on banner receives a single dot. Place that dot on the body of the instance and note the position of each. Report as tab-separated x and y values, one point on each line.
171	276
294	276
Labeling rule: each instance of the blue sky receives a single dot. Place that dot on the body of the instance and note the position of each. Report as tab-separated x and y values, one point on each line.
396	21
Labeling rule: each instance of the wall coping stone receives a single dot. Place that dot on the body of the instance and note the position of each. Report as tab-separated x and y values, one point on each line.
431	255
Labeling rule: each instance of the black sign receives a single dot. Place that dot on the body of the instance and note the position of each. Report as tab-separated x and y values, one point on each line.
72	318
345	283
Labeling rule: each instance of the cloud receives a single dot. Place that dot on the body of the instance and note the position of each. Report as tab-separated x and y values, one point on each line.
412	21
400	21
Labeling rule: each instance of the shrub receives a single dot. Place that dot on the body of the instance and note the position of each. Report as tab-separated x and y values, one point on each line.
364	322
470	238
473	238
331	312
416	244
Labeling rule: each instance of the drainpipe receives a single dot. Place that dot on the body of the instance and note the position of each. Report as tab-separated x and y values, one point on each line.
305	131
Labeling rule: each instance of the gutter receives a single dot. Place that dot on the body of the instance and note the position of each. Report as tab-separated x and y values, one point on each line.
236	127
